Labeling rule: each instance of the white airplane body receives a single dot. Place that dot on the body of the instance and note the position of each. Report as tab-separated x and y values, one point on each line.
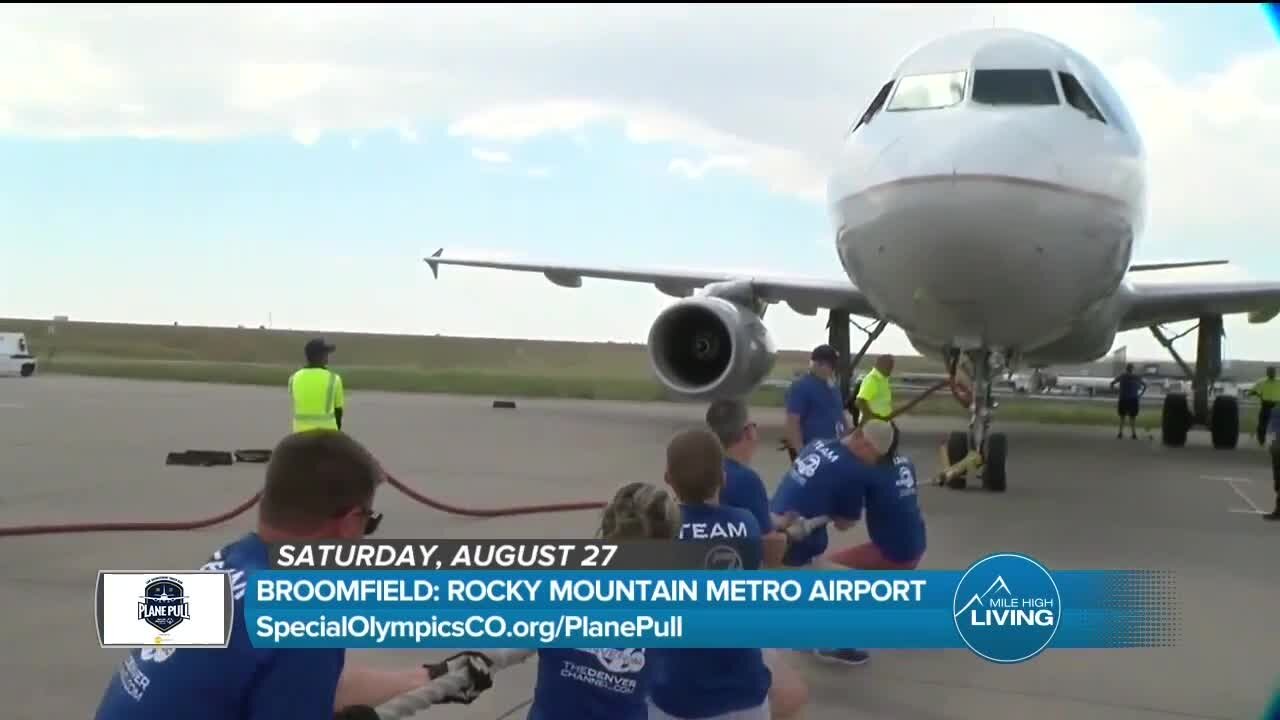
989	202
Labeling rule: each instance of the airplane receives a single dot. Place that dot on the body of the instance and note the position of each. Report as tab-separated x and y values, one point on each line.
988	202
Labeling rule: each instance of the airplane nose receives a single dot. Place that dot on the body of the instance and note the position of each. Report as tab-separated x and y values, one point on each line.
1007	149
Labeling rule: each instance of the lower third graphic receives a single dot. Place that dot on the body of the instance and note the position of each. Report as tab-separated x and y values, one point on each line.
1007	608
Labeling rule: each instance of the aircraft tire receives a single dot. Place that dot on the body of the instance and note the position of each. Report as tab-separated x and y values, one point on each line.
1175	420
1224	423
993	466
957	448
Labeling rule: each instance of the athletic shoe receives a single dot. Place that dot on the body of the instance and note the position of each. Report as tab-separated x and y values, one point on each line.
847	657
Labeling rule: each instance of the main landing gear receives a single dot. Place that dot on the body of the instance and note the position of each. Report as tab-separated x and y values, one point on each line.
1223	417
978	452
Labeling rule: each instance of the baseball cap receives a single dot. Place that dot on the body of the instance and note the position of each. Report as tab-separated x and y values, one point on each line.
317	347
824	354
879	434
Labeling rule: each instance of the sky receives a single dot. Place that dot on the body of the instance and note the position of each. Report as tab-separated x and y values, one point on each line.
290	165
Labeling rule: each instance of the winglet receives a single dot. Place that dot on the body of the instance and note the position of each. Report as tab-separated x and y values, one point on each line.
435	266
1145	267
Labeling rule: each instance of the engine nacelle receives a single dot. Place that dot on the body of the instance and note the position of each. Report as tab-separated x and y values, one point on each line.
707	347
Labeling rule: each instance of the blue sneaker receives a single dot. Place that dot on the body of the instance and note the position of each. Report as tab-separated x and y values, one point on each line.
848	656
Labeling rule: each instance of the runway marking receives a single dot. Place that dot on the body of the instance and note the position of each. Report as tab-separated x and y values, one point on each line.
12	406
1234	484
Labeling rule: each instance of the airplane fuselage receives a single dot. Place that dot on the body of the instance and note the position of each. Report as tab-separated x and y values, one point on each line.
977	205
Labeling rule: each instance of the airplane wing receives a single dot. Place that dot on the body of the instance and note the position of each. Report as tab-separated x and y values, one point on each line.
1147	267
805	296
1156	303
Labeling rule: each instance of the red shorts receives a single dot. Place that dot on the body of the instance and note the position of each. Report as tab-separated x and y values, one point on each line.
868	557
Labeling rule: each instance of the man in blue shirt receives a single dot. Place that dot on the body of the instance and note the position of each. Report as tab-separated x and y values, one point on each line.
815	409
1132	388
743	488
731	422
714	682
319	485
831	478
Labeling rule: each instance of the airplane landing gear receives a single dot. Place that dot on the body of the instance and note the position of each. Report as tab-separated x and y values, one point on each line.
977	451
1177	417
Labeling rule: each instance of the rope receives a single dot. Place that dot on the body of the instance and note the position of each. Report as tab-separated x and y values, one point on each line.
63	529
415	701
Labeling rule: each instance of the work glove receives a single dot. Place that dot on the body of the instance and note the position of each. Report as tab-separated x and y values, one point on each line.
478	669
356	712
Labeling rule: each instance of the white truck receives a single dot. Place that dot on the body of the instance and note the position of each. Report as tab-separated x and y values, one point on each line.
16	357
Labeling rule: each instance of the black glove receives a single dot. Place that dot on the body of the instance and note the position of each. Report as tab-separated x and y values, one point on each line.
356	712
479	671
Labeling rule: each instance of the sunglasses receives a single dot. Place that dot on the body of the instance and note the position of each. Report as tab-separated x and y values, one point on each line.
372	519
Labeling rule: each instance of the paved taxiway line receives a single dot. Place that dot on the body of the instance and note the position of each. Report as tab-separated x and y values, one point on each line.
1234	483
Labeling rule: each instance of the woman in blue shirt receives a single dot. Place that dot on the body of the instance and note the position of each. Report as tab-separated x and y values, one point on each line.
607	683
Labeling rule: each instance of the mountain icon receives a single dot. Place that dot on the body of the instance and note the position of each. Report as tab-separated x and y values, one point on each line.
998	586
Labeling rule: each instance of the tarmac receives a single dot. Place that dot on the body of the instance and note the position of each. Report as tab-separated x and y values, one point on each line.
79	449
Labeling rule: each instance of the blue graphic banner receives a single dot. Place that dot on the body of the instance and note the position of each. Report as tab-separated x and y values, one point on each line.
1005	608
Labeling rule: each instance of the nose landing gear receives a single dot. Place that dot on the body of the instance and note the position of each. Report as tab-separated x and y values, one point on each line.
978	452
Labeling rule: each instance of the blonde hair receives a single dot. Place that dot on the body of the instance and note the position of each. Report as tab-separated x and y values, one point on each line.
641	511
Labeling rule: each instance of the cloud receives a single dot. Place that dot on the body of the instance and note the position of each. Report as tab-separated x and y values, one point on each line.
497	157
696	170
776	86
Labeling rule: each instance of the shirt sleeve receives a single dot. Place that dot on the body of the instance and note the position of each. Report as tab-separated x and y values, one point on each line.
755	544
797	399
867	390
338	400
296	685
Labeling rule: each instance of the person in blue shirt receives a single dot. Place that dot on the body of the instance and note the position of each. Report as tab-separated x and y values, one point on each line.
815	409
730	420
698	684
895	523
320	485
1131	389
831	478
607	683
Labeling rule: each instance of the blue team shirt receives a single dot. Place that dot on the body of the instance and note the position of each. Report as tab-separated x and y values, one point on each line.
744	489
894	521
819	406
701	683
591	684
825	479
240	681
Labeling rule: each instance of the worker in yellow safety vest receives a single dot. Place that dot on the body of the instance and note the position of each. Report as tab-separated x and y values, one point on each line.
316	391
1268	391
875	396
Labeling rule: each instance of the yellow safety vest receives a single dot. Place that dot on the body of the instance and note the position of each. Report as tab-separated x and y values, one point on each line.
1268	390
876	391
316	392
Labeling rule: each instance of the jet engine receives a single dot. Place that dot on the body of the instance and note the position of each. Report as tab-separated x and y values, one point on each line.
706	347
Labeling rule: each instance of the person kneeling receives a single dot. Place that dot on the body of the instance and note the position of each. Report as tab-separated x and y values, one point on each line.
833	478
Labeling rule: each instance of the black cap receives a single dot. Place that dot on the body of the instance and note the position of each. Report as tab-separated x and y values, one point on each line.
317	348
825	354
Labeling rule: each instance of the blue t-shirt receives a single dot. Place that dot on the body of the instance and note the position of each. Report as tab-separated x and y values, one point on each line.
701	683
819	407
1129	386
239	681
826	479
591	684
894	520
744	489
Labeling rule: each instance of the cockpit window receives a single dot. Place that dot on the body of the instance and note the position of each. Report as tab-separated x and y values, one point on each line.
1078	98
876	103
928	92
1014	87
